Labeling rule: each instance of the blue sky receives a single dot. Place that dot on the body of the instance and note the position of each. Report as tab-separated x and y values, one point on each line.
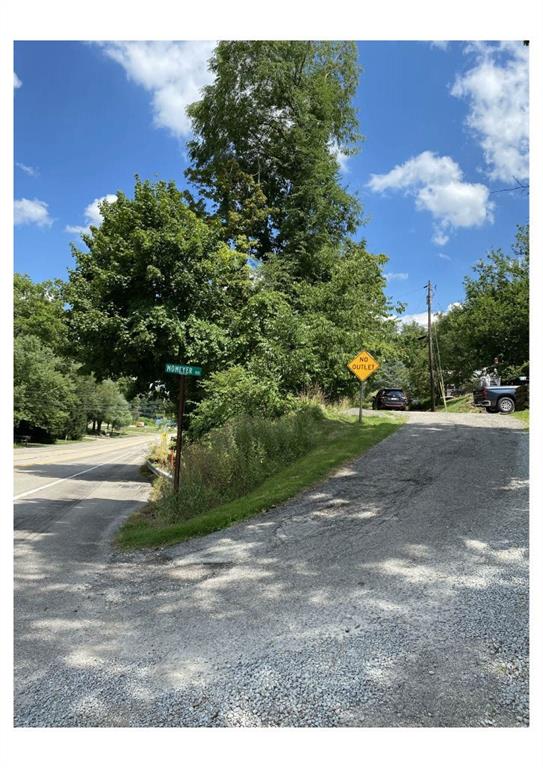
445	126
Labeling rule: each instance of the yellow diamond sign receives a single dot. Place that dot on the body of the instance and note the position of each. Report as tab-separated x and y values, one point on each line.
363	365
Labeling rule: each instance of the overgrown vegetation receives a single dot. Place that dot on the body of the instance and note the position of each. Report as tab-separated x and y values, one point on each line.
330	441
233	459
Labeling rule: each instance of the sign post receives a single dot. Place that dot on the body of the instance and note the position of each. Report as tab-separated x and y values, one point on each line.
363	365
182	371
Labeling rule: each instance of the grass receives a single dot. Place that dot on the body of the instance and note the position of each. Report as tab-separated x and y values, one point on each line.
523	416
340	438
463	404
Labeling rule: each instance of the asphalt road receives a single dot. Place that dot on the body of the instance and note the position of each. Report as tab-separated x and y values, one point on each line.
395	593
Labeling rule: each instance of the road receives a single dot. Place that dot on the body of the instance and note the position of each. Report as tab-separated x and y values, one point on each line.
392	594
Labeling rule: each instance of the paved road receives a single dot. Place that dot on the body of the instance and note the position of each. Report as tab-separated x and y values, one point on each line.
67	500
393	594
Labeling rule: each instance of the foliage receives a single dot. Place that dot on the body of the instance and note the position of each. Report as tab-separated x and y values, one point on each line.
335	439
294	343
38	311
344	314
111	406
156	283
493	320
44	395
235	392
266	137
235	458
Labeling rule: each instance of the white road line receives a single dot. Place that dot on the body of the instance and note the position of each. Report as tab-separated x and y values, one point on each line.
35	460
70	477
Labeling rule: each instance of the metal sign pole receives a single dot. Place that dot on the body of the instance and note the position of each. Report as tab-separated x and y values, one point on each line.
362	388
180	414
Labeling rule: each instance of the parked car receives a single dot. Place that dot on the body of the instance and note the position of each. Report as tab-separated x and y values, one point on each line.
502	398
390	397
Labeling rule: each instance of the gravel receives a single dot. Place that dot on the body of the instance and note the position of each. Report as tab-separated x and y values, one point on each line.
393	594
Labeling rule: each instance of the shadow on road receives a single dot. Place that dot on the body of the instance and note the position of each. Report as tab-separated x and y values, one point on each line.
395	593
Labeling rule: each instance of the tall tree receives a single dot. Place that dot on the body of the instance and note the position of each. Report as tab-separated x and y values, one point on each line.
267	134
155	284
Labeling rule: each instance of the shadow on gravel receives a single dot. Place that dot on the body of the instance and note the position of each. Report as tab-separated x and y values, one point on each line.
393	594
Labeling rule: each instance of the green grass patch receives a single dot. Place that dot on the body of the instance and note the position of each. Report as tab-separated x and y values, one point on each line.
463	404
523	416
338	438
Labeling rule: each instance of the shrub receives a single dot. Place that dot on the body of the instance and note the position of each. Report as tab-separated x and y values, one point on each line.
231	460
236	392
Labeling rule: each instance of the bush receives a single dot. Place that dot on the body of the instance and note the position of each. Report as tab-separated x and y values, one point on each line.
235	458
237	392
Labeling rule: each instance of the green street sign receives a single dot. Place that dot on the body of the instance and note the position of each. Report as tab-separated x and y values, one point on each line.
183	370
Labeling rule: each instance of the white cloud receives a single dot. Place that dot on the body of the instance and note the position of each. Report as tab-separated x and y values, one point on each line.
438	187
441	44
31	212
422	317
92	215
496	90
340	156
28	169
444	256
419	317
439	237
173	72
16	82
396	275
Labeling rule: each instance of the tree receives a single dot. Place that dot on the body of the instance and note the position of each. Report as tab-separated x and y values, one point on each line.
301	336
155	284
44	395
345	314
493	320
267	134
38	310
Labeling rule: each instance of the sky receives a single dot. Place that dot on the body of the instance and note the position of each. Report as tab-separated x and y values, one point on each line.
445	127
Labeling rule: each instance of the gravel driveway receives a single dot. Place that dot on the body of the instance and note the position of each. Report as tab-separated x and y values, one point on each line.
395	593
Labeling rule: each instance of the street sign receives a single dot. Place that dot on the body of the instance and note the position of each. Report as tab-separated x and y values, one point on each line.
363	365
183	370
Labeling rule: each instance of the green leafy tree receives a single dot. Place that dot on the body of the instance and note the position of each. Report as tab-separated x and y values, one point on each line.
155	284
493	320
235	392
345	314
44	394
38	310
301	336
267	134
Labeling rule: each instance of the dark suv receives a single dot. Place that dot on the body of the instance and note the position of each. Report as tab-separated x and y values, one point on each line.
392	397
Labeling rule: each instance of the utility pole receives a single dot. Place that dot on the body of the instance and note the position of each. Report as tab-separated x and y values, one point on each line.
430	351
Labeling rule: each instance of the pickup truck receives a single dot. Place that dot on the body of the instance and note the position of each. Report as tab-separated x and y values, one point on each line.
498	398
